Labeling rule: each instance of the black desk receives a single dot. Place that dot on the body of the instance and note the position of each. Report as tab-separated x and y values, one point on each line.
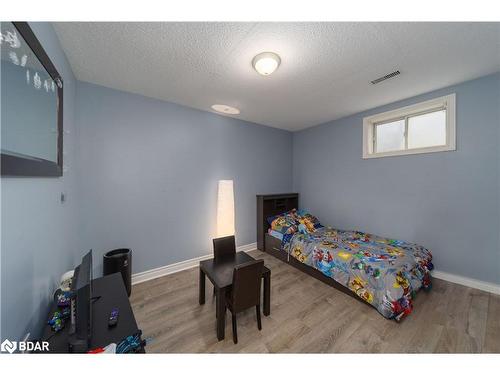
112	292
220	273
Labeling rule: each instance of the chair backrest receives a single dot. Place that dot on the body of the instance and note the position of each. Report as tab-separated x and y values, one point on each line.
224	246
246	285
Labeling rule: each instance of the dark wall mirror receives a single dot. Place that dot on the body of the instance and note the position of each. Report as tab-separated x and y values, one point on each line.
31	105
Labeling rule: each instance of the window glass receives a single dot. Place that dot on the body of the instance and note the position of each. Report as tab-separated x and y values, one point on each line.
390	136
427	130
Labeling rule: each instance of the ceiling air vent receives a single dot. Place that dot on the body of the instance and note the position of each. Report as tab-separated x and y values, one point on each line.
387	76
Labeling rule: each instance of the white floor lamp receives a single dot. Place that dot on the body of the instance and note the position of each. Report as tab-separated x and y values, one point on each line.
225	209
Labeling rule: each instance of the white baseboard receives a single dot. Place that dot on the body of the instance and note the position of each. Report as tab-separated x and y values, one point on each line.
180	266
466	281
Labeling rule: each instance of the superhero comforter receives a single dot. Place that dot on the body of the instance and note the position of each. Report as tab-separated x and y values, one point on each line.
385	273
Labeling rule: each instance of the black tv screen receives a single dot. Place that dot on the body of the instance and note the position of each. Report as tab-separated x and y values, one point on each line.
81	306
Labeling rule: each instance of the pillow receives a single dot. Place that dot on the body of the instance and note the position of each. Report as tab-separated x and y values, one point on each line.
284	223
290	215
307	222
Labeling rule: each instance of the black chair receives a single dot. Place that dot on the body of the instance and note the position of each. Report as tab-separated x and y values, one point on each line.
245	292
224	246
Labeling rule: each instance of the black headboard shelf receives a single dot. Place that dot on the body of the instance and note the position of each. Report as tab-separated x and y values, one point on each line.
270	205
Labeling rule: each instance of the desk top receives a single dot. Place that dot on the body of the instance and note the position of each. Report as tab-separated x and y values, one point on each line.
112	292
220	272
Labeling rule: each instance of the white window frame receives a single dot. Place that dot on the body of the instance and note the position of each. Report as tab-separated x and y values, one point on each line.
369	124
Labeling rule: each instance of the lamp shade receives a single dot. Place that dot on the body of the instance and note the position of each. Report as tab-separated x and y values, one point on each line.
225	208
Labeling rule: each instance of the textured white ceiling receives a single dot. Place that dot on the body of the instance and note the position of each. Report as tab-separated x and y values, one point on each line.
325	72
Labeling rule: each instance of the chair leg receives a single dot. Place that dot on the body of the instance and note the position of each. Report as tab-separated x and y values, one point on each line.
259	323
216	311
213	296
235	330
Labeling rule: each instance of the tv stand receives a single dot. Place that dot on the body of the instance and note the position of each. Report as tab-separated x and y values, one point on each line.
112	293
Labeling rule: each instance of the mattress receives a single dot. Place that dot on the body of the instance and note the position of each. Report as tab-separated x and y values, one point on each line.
384	272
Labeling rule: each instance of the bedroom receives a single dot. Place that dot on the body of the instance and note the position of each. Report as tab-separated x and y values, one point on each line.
358	160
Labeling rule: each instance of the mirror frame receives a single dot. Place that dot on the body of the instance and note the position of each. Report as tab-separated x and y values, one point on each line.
12	165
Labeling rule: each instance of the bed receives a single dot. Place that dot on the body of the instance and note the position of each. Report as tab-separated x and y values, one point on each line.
383	273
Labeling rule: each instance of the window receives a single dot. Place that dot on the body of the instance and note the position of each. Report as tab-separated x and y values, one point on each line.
424	127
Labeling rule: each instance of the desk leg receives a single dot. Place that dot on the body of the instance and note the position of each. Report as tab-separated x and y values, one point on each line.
221	313
267	294
201	295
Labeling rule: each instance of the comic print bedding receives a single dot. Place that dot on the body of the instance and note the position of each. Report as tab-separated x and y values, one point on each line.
386	273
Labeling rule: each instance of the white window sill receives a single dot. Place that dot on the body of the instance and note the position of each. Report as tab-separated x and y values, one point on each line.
415	151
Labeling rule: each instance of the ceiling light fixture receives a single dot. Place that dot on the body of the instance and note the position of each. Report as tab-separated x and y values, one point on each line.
266	63
226	109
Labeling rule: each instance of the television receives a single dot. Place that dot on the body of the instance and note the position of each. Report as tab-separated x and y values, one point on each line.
32	138
81	306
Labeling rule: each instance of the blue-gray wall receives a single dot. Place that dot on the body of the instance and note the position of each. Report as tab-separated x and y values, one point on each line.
149	172
446	201
39	234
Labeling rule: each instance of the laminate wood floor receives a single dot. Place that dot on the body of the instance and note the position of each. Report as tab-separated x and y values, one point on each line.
308	316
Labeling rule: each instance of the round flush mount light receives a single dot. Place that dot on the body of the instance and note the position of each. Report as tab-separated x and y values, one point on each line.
226	109
266	63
